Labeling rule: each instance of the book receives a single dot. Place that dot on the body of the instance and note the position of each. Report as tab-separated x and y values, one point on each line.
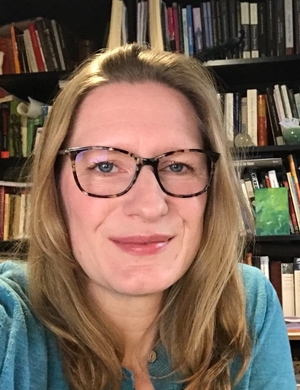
262	128
37	51
254	30
259	162
245	25
292	165
155	25
275	277
273	117
287	282
289	27
271	211
252	114
296	263
115	26
264	266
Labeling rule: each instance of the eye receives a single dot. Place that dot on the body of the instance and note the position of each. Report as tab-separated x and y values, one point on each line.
105	167
177	167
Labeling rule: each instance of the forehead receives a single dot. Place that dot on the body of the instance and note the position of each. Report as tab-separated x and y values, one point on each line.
135	115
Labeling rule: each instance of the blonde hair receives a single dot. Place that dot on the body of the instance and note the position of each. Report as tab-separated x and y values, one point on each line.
202	321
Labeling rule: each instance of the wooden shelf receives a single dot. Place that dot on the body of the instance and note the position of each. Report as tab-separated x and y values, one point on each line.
294	336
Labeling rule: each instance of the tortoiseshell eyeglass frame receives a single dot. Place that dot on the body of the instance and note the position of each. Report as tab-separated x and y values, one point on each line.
213	157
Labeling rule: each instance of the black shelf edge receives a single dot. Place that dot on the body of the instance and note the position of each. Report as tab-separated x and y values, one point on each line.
251	61
285	238
253	150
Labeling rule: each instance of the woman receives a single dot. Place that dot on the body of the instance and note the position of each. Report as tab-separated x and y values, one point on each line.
135	241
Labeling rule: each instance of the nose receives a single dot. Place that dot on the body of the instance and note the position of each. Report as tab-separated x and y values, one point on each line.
146	199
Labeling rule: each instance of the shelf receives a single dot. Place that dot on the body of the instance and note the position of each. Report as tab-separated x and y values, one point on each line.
282	239
264	151
294	336
10	247
266	71
42	86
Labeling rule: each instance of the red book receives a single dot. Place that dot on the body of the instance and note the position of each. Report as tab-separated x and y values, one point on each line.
36	47
8	62
171	28
2	202
176	27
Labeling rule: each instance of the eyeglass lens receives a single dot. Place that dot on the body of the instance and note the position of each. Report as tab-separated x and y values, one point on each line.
110	172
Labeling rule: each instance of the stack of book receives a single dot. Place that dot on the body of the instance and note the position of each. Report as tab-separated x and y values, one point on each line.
36	45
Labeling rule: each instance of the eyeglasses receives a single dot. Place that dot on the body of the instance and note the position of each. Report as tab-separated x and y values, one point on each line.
106	172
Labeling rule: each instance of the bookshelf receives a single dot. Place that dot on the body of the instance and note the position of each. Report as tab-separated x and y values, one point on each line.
234	75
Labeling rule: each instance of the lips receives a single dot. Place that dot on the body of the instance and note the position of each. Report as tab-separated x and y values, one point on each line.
142	245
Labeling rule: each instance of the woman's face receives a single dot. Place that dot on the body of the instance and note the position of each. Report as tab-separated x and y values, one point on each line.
145	240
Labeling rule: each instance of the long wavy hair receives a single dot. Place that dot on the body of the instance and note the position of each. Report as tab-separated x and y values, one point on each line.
202	320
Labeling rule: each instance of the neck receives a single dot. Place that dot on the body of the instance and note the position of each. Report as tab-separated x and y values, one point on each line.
135	317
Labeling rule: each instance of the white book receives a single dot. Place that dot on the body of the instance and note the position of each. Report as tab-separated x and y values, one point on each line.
22	215
273	178
228	117
124	27
289	26
297	285
264	266
278	103
252	114
185	33
254	30
286	101
245	25
287	283
29	52
197	29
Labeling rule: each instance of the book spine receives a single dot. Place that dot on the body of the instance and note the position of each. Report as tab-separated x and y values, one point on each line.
289	26
197	29
176	26
297	26
171	30
271	23
58	44
245	25
296	263
293	169
29	51
287	280
273	116
254	30
15	49
275	278
262	129
252	114
189	20
262	29
36	47
280	32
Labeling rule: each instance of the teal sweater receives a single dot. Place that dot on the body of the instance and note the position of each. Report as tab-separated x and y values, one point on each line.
30	359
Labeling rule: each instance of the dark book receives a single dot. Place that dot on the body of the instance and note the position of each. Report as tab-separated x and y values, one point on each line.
204	31
132	20
275	278
219	24
262	28
279	27
180	27
225	34
46	44
297	26
267	162
271	24
237	113
214	23
292	101
22	54
254	30
245	26
4	117
273	117
232	22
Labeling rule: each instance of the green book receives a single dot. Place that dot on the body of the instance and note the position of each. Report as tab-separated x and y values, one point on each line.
272	212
